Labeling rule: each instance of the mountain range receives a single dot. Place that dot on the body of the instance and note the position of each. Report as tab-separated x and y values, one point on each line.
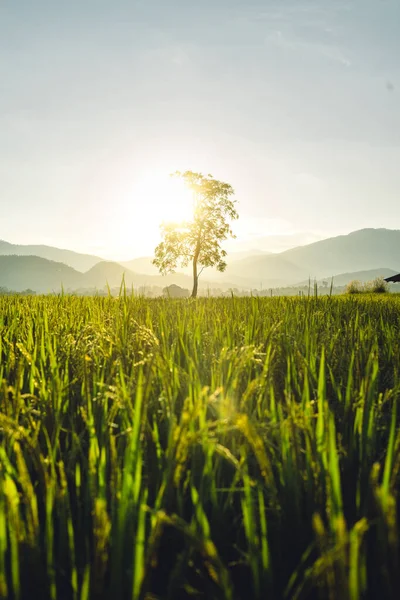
361	255
80	262
19	273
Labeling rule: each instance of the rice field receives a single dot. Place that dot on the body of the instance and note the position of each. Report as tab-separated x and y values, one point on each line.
230	448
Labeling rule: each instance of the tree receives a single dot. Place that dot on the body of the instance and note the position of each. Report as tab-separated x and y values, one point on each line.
198	241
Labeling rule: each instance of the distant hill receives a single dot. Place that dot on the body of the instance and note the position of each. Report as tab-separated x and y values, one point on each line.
142	265
365	253
358	251
362	250
19	273
107	272
111	273
80	262
271	270
41	275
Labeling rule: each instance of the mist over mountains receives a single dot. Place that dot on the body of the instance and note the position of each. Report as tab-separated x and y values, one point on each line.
362	255
80	262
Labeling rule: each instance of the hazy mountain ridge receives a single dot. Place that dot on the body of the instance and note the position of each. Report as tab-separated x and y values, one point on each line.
144	264
272	270
19	273
357	251
363	255
76	260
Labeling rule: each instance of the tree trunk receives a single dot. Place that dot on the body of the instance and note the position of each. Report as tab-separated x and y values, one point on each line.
195	274
195	277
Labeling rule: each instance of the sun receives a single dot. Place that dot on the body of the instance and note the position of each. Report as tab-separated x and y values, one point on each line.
160	197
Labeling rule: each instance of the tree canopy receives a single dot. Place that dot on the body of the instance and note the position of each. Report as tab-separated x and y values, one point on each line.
198	241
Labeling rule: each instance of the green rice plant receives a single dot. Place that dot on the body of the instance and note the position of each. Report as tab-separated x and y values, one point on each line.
223	448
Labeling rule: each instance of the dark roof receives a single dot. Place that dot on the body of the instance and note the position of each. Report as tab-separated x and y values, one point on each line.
393	279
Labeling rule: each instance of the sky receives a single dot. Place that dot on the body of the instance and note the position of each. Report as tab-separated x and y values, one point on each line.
295	103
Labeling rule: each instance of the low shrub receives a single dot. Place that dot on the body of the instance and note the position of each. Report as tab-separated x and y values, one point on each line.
376	286
354	287
379	286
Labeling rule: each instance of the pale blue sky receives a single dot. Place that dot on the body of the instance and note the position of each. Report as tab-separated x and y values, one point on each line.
295	102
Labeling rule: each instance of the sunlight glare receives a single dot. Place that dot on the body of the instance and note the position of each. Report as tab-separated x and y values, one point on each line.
163	198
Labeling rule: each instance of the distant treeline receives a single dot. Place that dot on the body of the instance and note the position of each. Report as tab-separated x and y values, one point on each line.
6	292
